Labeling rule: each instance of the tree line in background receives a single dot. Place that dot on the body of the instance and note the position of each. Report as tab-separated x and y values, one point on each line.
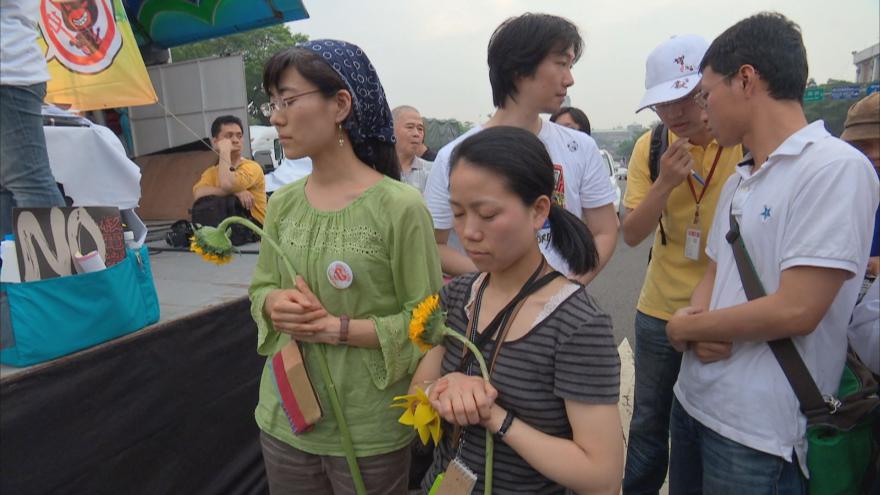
833	112
439	132
257	46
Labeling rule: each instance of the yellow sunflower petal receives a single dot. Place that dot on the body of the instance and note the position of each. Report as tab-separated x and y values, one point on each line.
424	413
407	418
407	401
424	434
434	427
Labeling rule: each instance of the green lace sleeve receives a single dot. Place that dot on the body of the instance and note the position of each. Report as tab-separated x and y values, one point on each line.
416	275
266	278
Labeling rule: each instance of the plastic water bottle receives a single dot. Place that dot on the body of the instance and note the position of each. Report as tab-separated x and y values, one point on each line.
9	270
130	243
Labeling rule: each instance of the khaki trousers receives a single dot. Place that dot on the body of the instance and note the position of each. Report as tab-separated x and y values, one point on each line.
292	471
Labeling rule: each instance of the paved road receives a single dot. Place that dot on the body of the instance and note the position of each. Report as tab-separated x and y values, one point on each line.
617	290
617	287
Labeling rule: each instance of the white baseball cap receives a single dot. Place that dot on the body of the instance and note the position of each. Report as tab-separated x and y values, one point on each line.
673	69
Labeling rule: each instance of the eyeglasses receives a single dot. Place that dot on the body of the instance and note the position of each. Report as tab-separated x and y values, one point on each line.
270	107
701	99
702	96
666	106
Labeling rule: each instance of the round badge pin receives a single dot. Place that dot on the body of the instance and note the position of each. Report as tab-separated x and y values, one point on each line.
340	275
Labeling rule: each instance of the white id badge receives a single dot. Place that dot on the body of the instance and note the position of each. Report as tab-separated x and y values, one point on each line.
692	243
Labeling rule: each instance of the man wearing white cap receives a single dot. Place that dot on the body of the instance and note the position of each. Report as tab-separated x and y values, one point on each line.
680	189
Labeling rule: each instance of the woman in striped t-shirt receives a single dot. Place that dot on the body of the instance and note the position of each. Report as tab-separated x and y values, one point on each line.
555	377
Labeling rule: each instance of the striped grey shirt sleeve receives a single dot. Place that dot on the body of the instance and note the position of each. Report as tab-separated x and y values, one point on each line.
587	365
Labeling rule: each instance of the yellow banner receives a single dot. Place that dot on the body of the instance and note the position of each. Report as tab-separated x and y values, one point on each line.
93	58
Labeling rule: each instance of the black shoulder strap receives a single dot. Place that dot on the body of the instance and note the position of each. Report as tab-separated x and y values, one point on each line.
808	394
659	143
532	286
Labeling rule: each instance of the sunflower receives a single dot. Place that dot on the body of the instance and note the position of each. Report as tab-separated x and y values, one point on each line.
424	329
427	329
212	244
419	414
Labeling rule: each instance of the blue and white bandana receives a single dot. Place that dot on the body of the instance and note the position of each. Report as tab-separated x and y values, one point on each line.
372	116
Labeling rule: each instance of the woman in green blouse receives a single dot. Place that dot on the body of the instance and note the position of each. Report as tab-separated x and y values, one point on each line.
362	245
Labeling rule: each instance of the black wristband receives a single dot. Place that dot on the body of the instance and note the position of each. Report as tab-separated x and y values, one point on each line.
505	425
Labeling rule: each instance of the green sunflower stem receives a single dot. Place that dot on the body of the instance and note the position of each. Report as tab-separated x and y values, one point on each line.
335	405
490	442
344	434
227	222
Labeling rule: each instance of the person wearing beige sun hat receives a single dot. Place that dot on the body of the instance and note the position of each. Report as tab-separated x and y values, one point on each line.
862	127
862	131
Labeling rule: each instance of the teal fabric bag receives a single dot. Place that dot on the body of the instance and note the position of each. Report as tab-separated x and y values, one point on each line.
50	318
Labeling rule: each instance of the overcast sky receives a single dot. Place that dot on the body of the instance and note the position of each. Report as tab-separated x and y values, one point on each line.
432	53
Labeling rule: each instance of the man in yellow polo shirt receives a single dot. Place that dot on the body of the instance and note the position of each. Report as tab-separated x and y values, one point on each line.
233	175
682	195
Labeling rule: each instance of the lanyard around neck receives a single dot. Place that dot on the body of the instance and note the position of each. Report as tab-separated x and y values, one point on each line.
699	199
503	318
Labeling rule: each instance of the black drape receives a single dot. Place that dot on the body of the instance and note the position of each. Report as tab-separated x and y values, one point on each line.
169	409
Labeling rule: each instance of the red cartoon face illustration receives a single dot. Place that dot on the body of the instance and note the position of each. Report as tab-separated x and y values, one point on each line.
79	15
81	34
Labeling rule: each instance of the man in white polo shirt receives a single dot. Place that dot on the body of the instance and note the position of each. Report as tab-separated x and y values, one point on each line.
804	201
530	60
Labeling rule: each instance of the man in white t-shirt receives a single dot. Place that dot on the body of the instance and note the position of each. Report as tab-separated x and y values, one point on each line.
530	59
804	201
25	177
